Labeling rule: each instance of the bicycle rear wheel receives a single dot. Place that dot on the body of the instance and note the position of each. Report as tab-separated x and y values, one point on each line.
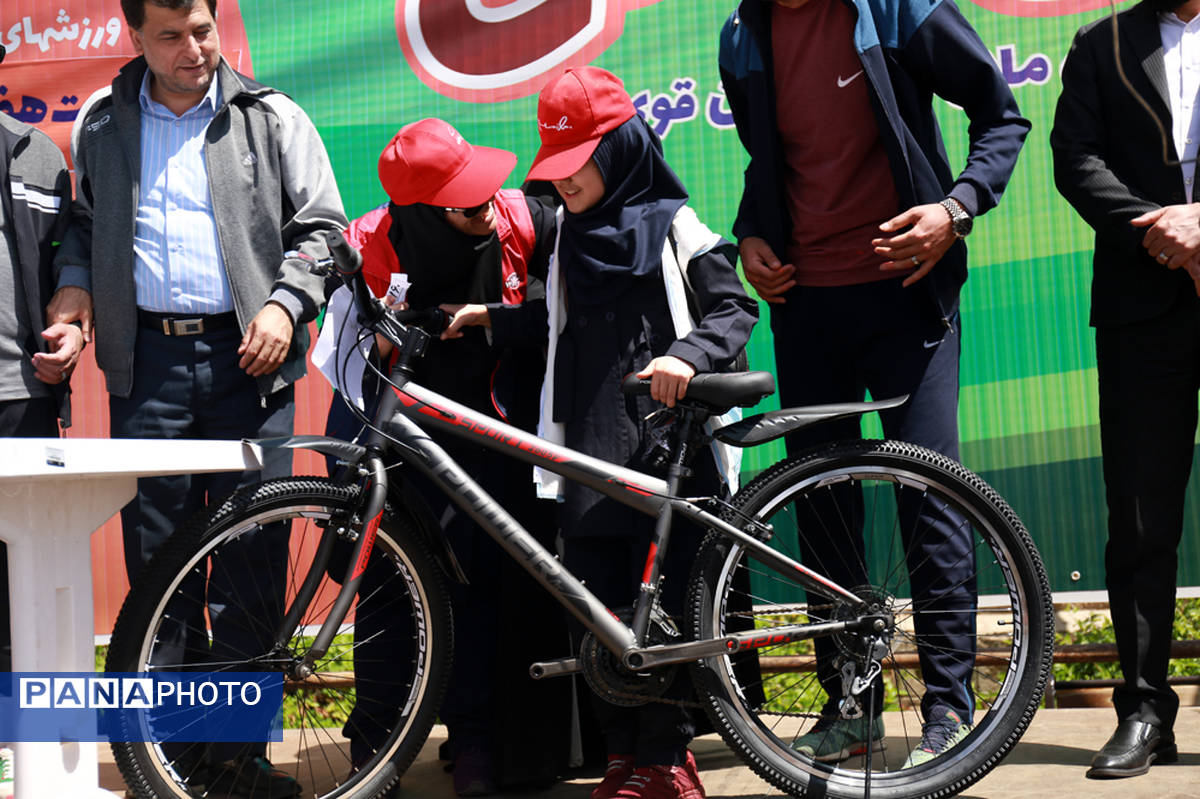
353	726
889	510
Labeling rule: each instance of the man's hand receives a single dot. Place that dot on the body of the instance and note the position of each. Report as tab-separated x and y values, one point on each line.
669	378
66	342
763	269
268	337
71	304
464	316
1173	238
930	233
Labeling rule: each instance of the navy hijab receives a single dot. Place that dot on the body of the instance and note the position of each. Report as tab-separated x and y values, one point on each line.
619	240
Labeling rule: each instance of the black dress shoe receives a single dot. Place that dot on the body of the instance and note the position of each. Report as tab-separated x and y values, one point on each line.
1131	750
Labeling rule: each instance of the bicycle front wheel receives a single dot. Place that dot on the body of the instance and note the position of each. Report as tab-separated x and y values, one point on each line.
930	547
355	724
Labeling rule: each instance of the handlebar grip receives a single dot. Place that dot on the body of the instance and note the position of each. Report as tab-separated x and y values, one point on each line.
635	386
346	260
433	320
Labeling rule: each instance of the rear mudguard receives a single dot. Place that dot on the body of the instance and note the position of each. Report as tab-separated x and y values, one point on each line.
403	500
769	426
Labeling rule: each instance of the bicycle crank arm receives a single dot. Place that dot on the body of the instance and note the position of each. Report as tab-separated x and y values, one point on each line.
554	668
665	655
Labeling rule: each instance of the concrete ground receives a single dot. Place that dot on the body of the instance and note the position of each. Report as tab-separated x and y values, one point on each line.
1048	762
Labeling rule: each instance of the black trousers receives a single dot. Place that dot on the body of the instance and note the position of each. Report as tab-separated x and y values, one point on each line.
835	344
503	621
655	733
192	387
1149	378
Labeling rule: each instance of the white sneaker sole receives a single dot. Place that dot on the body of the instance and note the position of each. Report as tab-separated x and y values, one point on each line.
849	752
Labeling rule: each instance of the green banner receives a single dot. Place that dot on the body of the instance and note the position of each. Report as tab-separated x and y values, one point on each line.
363	68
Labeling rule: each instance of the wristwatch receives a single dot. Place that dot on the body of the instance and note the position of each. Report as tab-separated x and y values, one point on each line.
960	220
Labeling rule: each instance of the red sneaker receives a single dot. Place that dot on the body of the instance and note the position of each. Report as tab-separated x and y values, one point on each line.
619	769
663	782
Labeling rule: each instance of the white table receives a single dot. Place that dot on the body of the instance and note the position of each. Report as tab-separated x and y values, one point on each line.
54	493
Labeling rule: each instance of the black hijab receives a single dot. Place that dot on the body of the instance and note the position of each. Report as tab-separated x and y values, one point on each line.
620	239
442	262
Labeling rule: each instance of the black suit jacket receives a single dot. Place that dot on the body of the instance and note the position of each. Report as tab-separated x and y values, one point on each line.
1112	161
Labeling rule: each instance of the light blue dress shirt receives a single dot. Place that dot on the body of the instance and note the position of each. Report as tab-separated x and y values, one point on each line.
178	266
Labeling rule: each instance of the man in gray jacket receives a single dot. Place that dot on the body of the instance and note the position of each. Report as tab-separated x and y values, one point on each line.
194	183
35	364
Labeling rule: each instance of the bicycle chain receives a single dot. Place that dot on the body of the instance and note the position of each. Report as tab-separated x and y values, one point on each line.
701	706
691	704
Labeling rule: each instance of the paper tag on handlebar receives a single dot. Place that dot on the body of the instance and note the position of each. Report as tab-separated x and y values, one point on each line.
398	288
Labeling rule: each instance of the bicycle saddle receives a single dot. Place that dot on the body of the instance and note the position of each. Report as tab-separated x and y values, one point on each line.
721	390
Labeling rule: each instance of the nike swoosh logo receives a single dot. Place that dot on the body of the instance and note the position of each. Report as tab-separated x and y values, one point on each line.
844	82
931	344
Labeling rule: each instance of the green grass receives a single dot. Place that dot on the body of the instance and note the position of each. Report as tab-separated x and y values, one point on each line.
800	692
1097	629
321	707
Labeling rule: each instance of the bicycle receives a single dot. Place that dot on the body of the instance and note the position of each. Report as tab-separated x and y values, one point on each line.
754	609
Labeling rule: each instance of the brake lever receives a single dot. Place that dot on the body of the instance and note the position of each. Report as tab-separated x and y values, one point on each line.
322	267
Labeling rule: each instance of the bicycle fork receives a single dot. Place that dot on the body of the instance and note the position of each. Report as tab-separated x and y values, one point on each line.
366	524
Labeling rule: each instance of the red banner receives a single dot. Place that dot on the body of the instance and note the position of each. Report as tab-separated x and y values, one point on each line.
60	53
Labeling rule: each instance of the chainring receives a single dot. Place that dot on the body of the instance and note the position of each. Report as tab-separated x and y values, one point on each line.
610	680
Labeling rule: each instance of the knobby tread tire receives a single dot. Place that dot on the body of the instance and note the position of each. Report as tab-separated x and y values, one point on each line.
966	763
138	762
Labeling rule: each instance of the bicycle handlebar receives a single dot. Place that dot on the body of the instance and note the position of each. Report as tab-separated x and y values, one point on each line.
394	325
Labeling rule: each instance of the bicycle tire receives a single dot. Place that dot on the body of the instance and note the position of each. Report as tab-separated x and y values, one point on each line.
761	711
394	714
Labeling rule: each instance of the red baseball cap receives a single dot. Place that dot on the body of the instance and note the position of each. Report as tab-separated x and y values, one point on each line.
574	110
428	161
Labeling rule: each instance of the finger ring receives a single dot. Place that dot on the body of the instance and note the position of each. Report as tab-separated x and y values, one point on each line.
915	261
1162	257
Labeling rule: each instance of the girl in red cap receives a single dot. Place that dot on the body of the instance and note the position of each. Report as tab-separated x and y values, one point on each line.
452	234
625	234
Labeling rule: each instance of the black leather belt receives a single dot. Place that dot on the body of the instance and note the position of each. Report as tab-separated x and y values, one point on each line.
179	325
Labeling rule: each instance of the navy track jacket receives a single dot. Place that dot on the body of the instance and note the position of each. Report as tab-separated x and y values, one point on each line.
910	51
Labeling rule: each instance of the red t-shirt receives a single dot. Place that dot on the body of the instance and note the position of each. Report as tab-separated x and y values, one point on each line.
839	185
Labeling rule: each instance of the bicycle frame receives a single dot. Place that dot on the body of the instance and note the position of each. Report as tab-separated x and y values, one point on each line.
396	428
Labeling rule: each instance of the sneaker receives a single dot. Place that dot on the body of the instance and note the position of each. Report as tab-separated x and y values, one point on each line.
938	735
835	740
690	765
6	773
663	782
252	777
473	772
619	769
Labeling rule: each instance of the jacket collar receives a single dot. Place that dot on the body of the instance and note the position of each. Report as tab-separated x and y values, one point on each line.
1139	33
127	108
755	15
128	83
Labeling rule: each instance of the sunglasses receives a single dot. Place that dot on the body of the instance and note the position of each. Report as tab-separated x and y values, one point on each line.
471	212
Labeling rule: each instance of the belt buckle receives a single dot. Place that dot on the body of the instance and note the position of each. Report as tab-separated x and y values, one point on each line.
185	327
